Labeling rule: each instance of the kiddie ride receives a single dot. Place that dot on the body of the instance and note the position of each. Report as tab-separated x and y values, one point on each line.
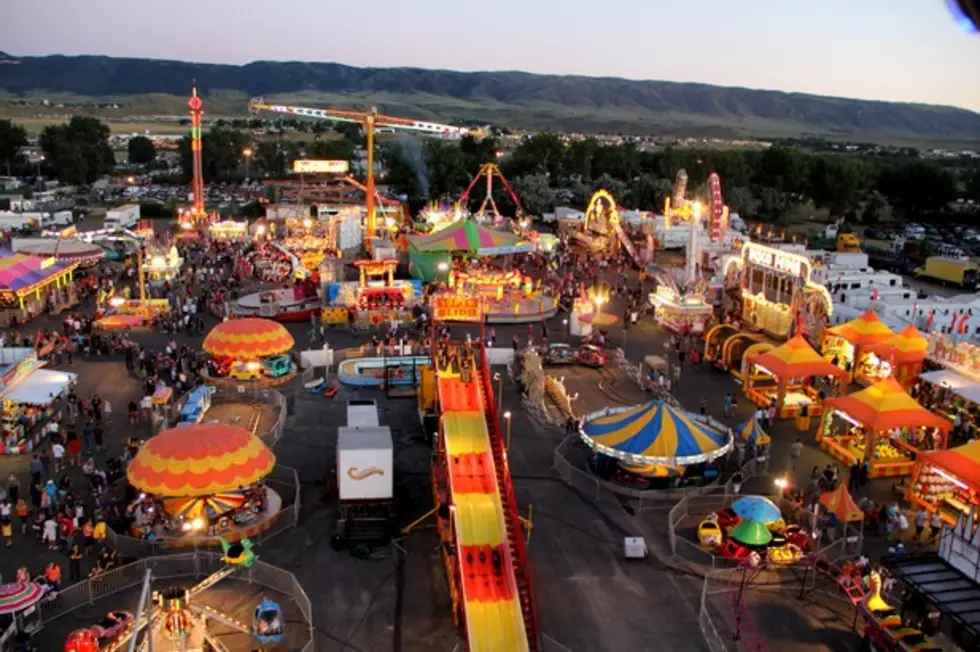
563	354
787	544
274	367
885	630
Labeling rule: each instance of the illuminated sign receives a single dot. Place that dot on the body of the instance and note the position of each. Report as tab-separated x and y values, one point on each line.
451	308
311	166
48	262
780	261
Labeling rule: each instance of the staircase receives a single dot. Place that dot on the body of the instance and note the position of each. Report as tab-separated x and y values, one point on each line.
515	534
748	635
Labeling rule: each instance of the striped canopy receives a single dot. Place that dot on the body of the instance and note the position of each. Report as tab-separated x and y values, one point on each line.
17	596
653	433
250	338
753	433
200	460
906	346
467	235
962	461
18	271
864	330
840	503
886	405
796	359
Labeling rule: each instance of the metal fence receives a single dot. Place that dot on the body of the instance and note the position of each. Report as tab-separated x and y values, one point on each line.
195	564
283	480
265	396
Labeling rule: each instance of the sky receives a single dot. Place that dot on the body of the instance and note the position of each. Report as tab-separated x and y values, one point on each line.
904	50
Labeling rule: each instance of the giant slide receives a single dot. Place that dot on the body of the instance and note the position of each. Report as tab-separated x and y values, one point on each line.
628	244
491	606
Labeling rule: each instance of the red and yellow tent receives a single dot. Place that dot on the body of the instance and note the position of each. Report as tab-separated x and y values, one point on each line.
248	339
840	503
795	359
863	331
885	406
905	351
938	475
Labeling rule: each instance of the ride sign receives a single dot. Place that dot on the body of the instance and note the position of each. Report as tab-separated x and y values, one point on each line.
453	308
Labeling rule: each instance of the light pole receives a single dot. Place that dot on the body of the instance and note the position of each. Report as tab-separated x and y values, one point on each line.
564	324
39	161
247	153
500	390
507	419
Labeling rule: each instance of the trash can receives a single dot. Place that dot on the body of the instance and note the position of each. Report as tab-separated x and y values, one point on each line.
803	422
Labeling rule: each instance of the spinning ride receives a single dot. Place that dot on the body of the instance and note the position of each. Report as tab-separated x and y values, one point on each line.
601	229
487	172
251	349
208	479
681	307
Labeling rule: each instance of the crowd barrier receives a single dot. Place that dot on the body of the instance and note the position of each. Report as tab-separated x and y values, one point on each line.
248	394
197	564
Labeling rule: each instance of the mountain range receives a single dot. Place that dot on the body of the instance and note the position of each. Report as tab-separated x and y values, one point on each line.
505	98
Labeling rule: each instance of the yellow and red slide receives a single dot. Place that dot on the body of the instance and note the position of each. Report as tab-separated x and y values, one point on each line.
489	589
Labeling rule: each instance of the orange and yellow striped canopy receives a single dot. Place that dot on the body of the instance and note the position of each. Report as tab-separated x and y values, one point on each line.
840	503
962	461
864	330
906	346
796	359
886	405
200	460
248	339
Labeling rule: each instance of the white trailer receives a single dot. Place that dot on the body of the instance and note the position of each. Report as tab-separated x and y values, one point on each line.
122	217
365	464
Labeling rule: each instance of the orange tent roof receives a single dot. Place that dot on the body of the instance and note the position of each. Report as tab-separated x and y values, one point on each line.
840	503
962	461
251	338
863	331
796	359
886	405
907	346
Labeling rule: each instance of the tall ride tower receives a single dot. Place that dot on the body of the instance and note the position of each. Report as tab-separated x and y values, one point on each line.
197	184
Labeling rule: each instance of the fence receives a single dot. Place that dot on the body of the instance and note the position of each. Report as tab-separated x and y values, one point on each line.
248	394
190	564
283	480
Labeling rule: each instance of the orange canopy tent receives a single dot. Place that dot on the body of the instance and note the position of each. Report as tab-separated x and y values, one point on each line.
794	359
942	475
840	503
905	351
861	333
880	409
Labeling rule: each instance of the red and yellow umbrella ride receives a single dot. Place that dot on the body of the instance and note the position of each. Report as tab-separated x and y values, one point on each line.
783	375
851	343
882	425
247	349
902	354
206	475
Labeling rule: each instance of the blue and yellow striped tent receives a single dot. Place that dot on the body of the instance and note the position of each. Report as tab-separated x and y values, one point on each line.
753	433
654	433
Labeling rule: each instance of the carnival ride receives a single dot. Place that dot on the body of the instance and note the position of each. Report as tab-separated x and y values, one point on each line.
368	120
587	355
601	229
376	372
544	395
251	348
487	172
678	208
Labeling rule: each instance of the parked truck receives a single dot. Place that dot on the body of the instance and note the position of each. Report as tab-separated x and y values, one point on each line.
950	271
122	217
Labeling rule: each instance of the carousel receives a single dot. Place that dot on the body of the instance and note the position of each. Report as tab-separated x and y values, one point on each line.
784	377
202	481
634	445
250	349
850	346
883	426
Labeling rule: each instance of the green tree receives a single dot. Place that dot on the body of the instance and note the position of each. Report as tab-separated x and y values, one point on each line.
331	149
773	203
838	183
12	139
741	200
400	172
78	151
221	153
783	169
915	187
477	151
973	184
615	187
648	191
276	157
446	167
875	209
140	150
542	153
579	157
535	193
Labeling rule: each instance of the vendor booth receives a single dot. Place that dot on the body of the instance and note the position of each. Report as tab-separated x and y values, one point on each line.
785	376
947	481
431	255
850	346
947	393
229	230
29	285
882	425
901	355
28	392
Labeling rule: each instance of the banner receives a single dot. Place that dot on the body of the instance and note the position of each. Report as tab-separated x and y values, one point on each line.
312	166
452	308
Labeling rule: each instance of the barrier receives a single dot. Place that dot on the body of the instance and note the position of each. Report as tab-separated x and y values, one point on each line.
197	564
248	394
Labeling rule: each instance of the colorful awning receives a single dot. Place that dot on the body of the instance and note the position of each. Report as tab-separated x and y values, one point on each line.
19	271
467	235
863	331
796	359
17	596
654	433
840	503
962	462
909	345
886	405
250	338
753	433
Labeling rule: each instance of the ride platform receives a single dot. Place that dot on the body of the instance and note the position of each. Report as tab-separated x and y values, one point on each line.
278	305
231	532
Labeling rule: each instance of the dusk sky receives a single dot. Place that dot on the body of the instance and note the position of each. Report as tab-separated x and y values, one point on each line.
908	50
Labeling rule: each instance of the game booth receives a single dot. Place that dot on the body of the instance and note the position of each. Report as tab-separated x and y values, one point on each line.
784	376
637	445
882	425
947	481
250	349
901	356
508	296
202	481
29	285
681	311
229	230
376	298
849	344
27	392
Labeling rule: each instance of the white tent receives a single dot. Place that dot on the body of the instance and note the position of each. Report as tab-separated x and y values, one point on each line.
954	382
41	387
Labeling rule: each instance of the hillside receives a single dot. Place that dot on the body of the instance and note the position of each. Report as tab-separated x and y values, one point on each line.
515	99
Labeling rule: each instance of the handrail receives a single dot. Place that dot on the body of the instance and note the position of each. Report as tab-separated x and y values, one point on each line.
507	486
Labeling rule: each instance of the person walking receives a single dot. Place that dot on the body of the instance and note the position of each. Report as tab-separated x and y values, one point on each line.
920	524
794	454
13	488
75	563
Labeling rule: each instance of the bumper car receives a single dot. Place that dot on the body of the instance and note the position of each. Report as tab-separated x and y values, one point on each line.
277	366
267	622
727	519
778	526
559	354
591	356
245	371
797	536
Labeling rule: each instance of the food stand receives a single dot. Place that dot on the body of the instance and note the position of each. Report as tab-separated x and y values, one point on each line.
27	392
850	343
783	375
904	352
884	426
681	312
947	481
